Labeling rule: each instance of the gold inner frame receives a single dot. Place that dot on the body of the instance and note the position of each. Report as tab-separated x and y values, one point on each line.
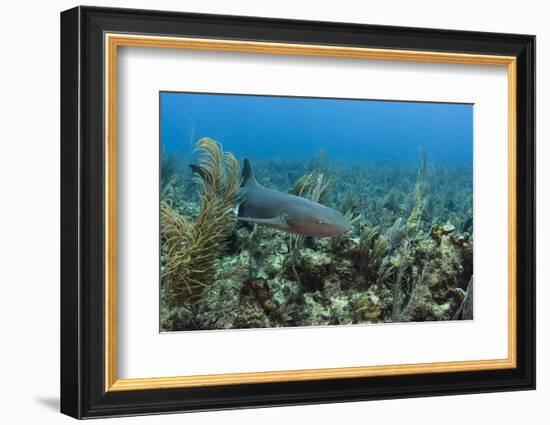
113	41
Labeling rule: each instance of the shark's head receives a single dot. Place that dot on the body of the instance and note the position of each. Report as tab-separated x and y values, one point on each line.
313	219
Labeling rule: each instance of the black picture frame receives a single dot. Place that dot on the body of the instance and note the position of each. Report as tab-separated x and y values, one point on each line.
83	392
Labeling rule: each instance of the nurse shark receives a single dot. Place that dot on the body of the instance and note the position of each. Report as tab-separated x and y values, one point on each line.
289	213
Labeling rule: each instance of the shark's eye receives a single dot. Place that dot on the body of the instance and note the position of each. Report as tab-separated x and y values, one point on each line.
320	222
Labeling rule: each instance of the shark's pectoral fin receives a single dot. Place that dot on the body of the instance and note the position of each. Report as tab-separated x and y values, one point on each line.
285	218
275	221
281	221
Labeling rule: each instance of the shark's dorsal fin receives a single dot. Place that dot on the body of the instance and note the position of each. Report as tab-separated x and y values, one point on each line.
248	175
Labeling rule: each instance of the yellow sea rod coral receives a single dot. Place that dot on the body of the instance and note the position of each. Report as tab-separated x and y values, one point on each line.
308	186
195	249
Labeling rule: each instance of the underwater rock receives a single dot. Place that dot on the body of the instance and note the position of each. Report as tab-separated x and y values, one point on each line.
371	306
448	228
424	249
461	240
347	247
189	209
443	269
242	234
251	315
340	311
258	289
312	267
286	297
368	308
275	265
247	305
419	305
313	310
320	244
263	249
321	308
176	318
464	245
344	272
284	291
437	231
220	306
439	311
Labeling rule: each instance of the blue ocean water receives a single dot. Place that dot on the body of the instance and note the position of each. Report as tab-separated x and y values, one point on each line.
288	127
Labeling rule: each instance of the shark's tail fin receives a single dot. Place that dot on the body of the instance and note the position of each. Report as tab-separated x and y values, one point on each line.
248	175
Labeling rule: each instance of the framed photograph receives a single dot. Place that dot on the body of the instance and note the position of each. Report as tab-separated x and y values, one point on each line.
261	212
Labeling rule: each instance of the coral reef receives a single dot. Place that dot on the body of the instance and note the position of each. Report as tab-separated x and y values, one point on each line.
409	256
